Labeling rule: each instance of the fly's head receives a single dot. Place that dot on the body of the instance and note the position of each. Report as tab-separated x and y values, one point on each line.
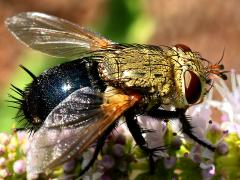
192	75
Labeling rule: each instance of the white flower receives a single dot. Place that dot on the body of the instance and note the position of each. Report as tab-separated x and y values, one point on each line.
155	138
200	116
230	103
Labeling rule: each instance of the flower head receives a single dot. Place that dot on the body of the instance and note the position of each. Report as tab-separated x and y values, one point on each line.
229	105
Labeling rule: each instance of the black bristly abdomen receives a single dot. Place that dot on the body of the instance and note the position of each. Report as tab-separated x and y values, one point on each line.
55	84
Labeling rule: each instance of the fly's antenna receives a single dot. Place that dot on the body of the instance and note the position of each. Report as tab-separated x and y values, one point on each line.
222	56
218	68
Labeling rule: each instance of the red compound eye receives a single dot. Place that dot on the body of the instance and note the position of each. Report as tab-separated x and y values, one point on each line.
183	47
193	87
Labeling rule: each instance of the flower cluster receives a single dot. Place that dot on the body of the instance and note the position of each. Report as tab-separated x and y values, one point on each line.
116	158
12	155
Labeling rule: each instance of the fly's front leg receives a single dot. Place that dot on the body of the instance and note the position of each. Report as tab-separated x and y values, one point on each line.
136	132
187	128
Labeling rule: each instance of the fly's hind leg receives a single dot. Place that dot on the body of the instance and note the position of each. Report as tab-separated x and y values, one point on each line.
136	132
99	146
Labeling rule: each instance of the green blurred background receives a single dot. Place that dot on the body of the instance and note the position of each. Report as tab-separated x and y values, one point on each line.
205	26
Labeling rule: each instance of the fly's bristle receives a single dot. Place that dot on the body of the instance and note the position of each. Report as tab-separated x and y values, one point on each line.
28	71
16	90
20	119
15	107
15	102
13	97
19	116
25	125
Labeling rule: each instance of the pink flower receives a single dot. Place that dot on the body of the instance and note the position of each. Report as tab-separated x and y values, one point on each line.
2	161
22	137
4	138
19	167
4	173
2	149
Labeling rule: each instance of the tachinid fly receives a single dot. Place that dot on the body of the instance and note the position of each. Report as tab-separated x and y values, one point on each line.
70	106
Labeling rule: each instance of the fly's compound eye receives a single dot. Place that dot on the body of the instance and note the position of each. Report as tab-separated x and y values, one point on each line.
183	47
193	87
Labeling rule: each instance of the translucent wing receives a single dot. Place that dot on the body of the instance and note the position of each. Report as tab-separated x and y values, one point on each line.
54	36
74	125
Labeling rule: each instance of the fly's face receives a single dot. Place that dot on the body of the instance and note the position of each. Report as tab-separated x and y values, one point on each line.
190	74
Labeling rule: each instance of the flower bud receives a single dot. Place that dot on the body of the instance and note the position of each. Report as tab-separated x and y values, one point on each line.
2	161
118	150
176	142
4	173
69	166
169	162
12	147
120	139
122	166
107	162
222	148
22	136
19	167
4	138
11	156
105	177
196	158
2	149
215	129
186	155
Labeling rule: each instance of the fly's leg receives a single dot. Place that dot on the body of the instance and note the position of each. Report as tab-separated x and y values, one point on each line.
99	146
187	128
136	132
